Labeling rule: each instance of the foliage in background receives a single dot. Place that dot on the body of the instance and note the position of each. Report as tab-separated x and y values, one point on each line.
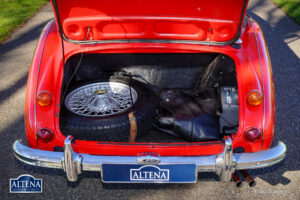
291	7
15	12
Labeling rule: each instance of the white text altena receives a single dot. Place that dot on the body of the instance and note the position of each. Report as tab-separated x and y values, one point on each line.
142	175
27	184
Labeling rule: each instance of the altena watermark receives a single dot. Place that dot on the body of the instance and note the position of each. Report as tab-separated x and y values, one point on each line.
25	184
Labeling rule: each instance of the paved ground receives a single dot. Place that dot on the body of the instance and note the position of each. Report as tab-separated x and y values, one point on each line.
279	182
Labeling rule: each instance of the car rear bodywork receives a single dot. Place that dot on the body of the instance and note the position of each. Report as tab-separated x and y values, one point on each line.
101	28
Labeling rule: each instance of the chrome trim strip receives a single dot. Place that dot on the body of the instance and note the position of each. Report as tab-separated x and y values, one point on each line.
85	162
154	41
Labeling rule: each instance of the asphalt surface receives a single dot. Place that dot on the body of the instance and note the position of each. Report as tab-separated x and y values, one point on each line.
278	182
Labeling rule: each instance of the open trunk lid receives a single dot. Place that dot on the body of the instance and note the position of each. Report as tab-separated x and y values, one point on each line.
209	22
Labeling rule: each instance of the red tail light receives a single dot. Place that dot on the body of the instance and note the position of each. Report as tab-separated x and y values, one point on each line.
45	134
253	134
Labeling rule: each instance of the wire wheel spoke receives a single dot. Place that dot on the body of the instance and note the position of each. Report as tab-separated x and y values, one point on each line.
100	99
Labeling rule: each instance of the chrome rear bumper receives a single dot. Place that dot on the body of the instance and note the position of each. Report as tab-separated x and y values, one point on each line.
223	164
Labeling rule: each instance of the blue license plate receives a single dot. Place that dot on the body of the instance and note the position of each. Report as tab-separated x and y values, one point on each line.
137	173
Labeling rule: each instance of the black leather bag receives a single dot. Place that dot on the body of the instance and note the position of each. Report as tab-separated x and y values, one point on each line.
181	115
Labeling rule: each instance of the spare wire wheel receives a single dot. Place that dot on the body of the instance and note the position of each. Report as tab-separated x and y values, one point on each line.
101	99
99	111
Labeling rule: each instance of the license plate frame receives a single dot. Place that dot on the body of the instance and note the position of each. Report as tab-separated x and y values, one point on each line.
140	173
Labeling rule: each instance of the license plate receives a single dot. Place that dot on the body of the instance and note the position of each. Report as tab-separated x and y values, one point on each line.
137	173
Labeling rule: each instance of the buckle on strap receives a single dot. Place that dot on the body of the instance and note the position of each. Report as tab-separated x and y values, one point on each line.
133	127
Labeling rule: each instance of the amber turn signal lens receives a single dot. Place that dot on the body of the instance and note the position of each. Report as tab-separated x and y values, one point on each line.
44	98
254	98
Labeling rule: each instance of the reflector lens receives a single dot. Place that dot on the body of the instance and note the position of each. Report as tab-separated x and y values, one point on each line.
44	98
253	134
254	98
45	134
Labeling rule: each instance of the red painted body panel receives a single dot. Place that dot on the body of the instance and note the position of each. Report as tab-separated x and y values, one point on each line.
253	72
214	20
30	122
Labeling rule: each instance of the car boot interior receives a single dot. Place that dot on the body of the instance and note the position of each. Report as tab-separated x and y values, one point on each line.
176	97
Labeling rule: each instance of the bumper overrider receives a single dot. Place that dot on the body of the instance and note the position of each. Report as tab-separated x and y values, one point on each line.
224	164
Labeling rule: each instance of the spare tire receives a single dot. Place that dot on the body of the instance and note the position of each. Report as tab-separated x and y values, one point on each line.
99	111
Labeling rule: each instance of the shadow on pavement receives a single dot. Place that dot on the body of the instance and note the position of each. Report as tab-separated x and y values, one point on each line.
28	36
5	94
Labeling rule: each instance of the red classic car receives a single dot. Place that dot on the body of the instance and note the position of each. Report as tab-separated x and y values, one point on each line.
151	92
